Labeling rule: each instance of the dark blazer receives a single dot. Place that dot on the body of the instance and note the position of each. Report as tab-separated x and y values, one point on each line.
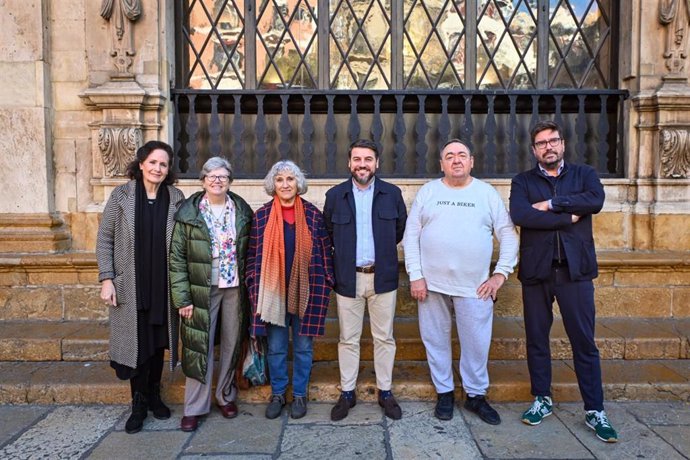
320	270
578	191
388	221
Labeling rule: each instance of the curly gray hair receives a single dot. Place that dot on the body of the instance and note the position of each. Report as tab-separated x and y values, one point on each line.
215	163
284	166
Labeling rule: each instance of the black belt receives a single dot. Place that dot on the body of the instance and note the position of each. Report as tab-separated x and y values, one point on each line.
367	269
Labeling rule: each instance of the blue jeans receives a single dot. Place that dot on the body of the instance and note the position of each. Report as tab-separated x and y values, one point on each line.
302	353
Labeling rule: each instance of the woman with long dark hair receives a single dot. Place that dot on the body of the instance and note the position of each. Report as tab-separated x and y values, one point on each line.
132	250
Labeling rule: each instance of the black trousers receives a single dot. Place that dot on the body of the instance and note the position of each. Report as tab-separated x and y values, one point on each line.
576	302
148	374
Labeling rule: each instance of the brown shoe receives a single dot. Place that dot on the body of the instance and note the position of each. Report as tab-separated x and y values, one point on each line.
342	407
391	408
229	410
189	423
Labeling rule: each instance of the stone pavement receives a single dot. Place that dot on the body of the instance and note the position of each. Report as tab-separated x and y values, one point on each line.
658	430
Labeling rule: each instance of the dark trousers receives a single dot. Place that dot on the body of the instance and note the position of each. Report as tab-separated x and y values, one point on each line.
576	302
148	374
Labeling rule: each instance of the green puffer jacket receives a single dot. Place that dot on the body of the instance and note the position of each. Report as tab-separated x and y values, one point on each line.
190	280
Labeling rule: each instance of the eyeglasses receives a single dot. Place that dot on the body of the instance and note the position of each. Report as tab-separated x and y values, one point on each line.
221	179
554	142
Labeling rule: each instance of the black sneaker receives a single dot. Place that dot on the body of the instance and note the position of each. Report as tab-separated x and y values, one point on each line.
481	407
275	407
444	406
342	407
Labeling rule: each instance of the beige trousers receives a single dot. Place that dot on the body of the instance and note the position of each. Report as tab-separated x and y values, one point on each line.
381	315
197	395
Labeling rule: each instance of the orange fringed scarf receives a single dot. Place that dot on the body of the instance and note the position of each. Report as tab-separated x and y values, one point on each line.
272	289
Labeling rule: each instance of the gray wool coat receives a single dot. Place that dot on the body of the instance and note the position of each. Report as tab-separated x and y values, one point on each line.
115	255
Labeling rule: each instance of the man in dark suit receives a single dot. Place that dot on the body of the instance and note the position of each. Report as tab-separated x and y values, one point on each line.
365	217
553	204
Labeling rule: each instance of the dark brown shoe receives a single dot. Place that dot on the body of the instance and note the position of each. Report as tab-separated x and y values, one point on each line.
391	408
189	423
342	407
229	410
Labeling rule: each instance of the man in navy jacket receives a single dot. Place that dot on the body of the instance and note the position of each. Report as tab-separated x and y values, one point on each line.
553	204
365	217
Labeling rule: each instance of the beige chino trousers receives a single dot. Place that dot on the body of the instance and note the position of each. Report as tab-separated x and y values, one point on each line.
351	316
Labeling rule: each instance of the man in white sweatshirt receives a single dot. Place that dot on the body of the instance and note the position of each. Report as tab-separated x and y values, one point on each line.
448	245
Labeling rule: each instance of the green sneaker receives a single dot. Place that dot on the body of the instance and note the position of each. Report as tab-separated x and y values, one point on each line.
541	407
598	421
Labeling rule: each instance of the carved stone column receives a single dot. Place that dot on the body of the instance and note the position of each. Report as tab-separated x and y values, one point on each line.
125	114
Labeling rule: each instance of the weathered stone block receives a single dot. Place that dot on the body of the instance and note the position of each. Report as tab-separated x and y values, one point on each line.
12	278
67	34
609	230
629	302
652	277
21	34
66	96
667	235
69	66
25	144
53	278
84	303
84	229
643	236
30	303
681	302
19	85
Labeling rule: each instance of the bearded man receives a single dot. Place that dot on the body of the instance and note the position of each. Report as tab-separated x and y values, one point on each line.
365	217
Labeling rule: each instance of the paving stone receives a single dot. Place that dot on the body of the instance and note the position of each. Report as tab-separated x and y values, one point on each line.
250	432
676	436
661	413
151	423
158	445
635	439
514	439
362	414
14	419
420	435
67	432
344	442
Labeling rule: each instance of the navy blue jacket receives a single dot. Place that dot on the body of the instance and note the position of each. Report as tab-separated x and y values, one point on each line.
388	221
578	191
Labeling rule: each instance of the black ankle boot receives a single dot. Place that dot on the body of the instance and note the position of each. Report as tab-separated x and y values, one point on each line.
139	411
156	405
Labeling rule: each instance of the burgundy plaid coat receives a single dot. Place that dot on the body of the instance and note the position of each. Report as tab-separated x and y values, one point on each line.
321	277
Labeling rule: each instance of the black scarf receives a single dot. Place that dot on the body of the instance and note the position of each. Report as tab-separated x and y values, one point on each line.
150	253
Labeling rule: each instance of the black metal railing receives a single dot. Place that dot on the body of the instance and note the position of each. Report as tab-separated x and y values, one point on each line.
253	129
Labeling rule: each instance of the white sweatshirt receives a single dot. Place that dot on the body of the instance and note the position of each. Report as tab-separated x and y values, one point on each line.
449	237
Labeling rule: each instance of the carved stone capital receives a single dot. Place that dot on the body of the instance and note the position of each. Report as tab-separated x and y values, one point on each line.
118	147
674	144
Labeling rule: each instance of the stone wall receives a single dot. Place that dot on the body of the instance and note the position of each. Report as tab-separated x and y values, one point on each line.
62	88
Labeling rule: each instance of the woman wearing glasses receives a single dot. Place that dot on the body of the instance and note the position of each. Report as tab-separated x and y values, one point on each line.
289	276
207	262
132	248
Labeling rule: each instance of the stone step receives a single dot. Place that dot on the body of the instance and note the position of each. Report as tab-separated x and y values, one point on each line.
95	382
64	287
617	338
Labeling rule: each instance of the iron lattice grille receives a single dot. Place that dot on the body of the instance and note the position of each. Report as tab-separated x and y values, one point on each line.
507	44
360	49
434	45
213	33
579	44
287	44
396	44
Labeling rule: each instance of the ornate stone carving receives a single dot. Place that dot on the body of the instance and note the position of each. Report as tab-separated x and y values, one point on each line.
118	147
120	13
675	152
676	15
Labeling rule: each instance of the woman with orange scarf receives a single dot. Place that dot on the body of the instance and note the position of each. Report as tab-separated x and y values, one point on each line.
289	278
